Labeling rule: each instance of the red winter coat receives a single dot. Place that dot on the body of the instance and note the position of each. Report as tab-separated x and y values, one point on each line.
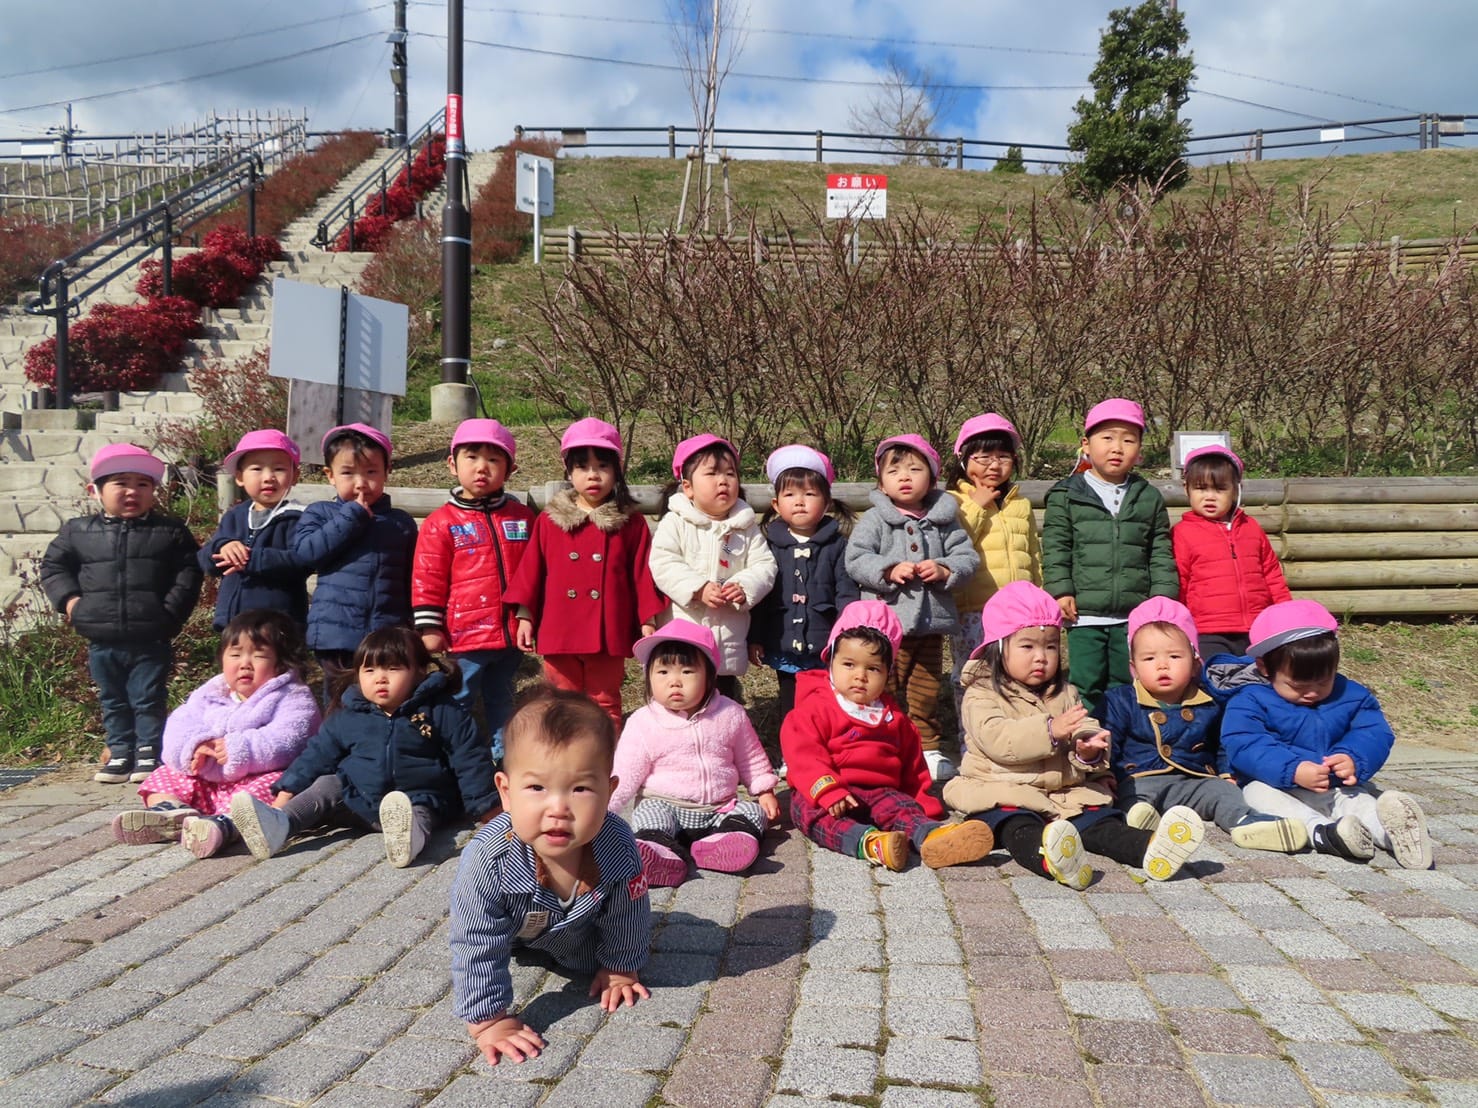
1227	574
466	554
585	579
826	751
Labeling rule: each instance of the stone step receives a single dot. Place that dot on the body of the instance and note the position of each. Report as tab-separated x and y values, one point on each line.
24	516
141	425
48	419
250	333
35	479
20	554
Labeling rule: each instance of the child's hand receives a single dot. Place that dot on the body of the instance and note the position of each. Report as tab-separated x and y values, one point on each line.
210	750
1090	748
902	573
70	605
769	805
1069	606
435	642
508	1036
1064	725
845	804
1342	766
524	637
712	595
616	988
733	594
281	799
985	495
648	629
1313	776
756	653
929	570
232	557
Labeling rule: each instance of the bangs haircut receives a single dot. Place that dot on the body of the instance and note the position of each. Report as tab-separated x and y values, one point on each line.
1313	659
469	447
898	454
995	665
553	719
954	467
1166	628
799	477
359	445
1215	471
396	646
873	637
621	494
710	453
672	653
270	628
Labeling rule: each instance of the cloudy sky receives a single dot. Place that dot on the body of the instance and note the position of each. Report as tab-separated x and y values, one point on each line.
130	65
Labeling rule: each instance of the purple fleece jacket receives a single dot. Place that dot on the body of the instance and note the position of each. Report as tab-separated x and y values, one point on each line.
263	733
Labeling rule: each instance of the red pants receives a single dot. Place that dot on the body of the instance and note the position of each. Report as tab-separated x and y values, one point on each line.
600	675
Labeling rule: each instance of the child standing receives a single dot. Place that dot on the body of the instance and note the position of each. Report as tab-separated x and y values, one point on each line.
360	545
1306	743
1166	731
555	873
1228	571
583	589
1105	547
466	558
252	550
792	623
235	734
859	782
397	756
1037	765
126	580
910	551
708	554
682	757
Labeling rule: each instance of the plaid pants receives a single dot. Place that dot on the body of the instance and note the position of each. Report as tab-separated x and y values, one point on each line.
917	674
684	824
888	810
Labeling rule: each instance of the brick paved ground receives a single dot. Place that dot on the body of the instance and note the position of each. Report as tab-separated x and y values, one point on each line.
138	976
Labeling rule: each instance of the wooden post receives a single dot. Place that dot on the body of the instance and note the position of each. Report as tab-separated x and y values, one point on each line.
819	138
960	152
572	242
671	142
1395	263
1257	146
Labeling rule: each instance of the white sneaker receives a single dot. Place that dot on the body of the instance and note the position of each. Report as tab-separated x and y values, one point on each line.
397	823
1175	840
1406	824
1286	836
940	767
1062	850
264	829
1143	815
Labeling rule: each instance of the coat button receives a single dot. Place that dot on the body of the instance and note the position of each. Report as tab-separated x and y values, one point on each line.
1187	715
1157	717
595	557
594	594
571	594
574	557
913	546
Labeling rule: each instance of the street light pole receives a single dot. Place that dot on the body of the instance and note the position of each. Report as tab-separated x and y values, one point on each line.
398	75
454	397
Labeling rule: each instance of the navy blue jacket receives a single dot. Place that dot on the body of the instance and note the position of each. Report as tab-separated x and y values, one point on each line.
1150	740
812	585
430	749
275	576
363	560
1266	737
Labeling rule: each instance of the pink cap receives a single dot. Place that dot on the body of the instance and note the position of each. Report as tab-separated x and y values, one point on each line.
123	457
1288	622
1161	609
679	630
1014	606
867	613
1211	451
484	432
591	432
690	446
797	456
1116	408
374	434
266	439
989	423
912	442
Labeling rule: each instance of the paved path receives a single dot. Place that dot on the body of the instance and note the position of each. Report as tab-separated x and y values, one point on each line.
139	976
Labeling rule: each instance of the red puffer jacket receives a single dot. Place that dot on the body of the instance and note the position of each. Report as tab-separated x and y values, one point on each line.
466	555
1227	573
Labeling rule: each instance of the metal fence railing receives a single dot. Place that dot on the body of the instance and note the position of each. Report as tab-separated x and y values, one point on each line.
377	183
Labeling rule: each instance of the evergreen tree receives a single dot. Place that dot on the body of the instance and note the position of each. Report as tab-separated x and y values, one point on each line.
1012	161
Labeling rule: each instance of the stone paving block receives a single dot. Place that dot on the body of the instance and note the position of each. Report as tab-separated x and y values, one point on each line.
1433	1056
934	982
1202	925
473	1091
913	921
1108	905
1191	990
941	1061
1347	1068
1030	1009
249	1035
850	987
19	1009
72	978
1047	1053
581	1088
679	969
1320	1023
401	988
752	993
299	1072
352	1095
1178	957
1454	1094
816	1025
678	1005
26	1047
1273	983
704	938
1309	945
633	1047
1252	1081
416	1065
905	947
311	994
59	1085
133	1045
828	1071
1107	1000
434	1023
351	959
1090	965
265	968
1355	975
176	1078
1020	1091
1142	1084
697	1083
1128	1042
100	1010
168	976
909	1096
851	926
1458	1001
751	1034
1074	938
846	954
1010	971
950	1019
1381	936
556	1059
1389	1012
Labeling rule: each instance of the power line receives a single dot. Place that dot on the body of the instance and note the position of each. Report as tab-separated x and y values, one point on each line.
1305	88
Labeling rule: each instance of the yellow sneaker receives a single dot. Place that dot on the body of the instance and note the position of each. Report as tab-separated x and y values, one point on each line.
888	849
1175	840
954	844
1062	850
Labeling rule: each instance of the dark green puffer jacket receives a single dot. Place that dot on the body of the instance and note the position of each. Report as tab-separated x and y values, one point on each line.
1109	563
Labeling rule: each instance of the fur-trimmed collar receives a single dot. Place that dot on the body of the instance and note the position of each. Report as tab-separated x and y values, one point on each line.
566	513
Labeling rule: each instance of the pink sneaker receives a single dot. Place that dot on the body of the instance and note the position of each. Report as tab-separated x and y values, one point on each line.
726	851
662	866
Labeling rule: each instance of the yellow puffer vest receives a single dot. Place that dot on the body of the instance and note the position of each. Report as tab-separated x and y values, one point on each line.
1005	536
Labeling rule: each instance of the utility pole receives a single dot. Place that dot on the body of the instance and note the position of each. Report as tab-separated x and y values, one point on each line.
398	75
454	398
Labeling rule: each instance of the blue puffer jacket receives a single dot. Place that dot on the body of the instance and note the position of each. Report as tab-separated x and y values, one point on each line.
275	575
363	560
1149	740
812	586
1266	737
429	749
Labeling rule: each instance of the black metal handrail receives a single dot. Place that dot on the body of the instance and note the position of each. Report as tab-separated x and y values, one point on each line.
346	211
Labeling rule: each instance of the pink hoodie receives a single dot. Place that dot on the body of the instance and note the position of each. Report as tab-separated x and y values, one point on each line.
701	759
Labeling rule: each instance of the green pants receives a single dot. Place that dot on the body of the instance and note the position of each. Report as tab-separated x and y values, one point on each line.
1097	659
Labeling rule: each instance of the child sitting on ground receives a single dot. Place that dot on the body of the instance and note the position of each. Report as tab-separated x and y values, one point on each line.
396	754
1037	767
235	734
682	757
555	872
1306	740
859	782
1166	736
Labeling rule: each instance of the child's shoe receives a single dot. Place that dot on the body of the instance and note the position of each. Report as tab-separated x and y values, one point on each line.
888	849
726	851
145	762
1175	840
1143	815
1286	836
159	824
1346	838
1406	824
398	825
263	828
954	844
207	836
113	769
1062	851
941	768
663	867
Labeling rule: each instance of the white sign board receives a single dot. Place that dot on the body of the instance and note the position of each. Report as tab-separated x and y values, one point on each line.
1332	134
534	192
305	338
856	196
1184	442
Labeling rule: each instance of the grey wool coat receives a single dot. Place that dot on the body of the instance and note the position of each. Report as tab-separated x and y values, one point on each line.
884	536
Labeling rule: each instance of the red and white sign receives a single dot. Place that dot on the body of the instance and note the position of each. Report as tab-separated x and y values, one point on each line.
856	196
453	122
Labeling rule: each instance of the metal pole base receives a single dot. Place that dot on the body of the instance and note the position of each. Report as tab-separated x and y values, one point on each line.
452	402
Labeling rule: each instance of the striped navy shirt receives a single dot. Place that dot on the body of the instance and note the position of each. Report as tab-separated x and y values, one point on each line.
498	903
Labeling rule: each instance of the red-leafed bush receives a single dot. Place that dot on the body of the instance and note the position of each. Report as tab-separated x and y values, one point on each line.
27	246
406	269
120	346
383	210
219	274
500	232
232	396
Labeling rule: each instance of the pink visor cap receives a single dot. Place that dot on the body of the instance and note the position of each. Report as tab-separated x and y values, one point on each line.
912	442
1116	409
1212	451
266	439
1161	609
123	457
866	613
1288	622
374	434
484	432
595	433
991	423
679	630
1013	607
797	456
690	446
